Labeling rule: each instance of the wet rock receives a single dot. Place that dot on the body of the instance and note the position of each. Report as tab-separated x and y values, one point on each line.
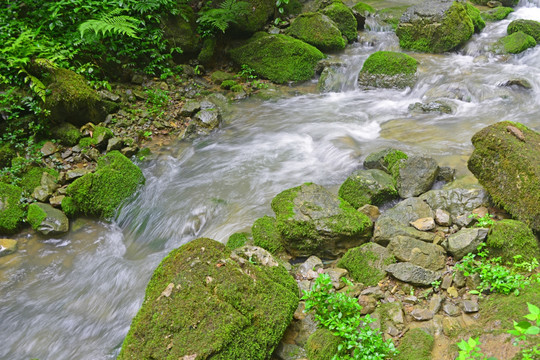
190	108
384	159
413	274
518	83
446	174
465	241
424	224
366	264
515	43
417	252
416	176
332	78
368	187
470	306
56	201
388	69
47	220
7	247
456	201
437	106
41	194
318	30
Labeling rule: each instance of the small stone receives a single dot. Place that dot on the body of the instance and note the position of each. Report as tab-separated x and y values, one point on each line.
446	281
392	330
480	212
411	299
435	303
312	263
424	224
452	292
373	290
115	143
48	182
463	220
371	211
48	148
76	173
7	247
304	286
368	304
459	279
470	306
335	275
137	79
129	151
451	326
473	281
442	217
446	174
56	201
66	154
286	351
422	314
107	95
413	274
451	309
41	193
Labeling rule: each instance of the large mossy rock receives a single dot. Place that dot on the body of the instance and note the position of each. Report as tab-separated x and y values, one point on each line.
435	26
11	210
388	69
515	43
529	27
508	238
6	155
205	302
318	30
47	220
322	345
101	192
344	19
368	187
69	98
279	58
266	234
366	264
312	221
496	14
67	134
506	161
416	344
180	30
260	11
385	160
474	14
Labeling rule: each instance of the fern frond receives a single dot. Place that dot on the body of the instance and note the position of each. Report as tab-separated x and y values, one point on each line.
111	24
228	12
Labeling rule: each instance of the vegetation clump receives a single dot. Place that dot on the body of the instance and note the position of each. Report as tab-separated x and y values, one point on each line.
11	210
344	19
416	344
496	14
529	27
322	345
368	187
366	263
508	238
516	43
237	240
318	30
35	216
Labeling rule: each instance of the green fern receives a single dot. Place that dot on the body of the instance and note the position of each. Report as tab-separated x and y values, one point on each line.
111	24
219	19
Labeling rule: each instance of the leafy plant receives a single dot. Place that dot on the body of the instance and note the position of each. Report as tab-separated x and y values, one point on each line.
341	314
483	221
212	20
436	285
523	329
470	350
281	10
158	100
111	23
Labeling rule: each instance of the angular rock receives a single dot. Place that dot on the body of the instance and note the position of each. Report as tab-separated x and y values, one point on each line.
384	159
456	202
7	247
442	217
312	221
368	187
465	241
413	274
371	211
422	314
423	224
115	143
76	173
366	264
48	148
335	275
417	252
470	306
451	309
332	78
47	220
416	176
308	269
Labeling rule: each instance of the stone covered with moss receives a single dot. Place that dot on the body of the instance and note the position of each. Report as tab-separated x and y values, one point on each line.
503	2
529	27
372	186
11	210
312	221
266	234
515	43
435	26
259	12
506	162
416	344
366	263
6	155
364	8
477	20
344	19
388	69
204	302
496	14
237	240
31	179
318	30
180	30
67	134
47	220
508	238
100	193
279	58
387	160
322	345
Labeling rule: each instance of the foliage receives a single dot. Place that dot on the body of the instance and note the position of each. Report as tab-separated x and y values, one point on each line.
483	221
247	74
523	329
280	8
111	24
157	100
212	20
341	314
470	350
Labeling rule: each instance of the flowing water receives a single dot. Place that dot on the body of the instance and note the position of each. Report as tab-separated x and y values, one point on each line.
74	297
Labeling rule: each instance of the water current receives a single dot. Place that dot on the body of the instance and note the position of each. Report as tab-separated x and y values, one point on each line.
74	297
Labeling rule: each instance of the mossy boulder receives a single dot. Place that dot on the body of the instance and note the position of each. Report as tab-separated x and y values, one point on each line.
100	193
529	27
67	134
416	344
312	221
47	220
205	302
368	187
507	238
344	19
69	98
366	264
11	210
237	240
496	14
364	8
31	178
260	11
266	234
388	69
503	2
435	26
474	14
387	160
506	162
515	43
279	58
6	155
318	30
322	345
180	30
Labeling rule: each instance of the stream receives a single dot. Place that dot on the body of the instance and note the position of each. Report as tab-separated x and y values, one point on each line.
73	297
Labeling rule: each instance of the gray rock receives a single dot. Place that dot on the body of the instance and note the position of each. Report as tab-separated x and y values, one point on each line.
55	221
459	279
422	314
413	274
332	78
456	201
208	118
368	187
470	306
115	143
442	217
76	173
56	201
465	241
7	247
368	303
42	193
190	108
437	106
335	275
286	351
107	95
309	267
416	176
417	252
380	159
446	281
451	309
435	303
48	148
446	174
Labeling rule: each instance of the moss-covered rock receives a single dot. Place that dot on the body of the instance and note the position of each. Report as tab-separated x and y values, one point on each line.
69	98
476	18
279	58
529	27
387	160
204	302
47	220
496	14
515	43
260	11
180	30
388	69
100	193
364	8
237	240
322	345
68	206
206	56
391	15
435	26
312	221
31	178
344	19
416	344
503	2
6	155
11	210
372	186
218	77
366	263
266	234
507	238
318	30
506	161
67	134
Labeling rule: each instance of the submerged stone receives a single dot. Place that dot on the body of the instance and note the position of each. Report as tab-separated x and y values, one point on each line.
7	247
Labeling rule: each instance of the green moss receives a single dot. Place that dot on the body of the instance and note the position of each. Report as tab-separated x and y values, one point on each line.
322	345
476	18
360	262
390	63
218	77
318	30
374	189
237	240
87	142
11	210
6	155
344	19
364	8
260	11
35	216
496	14
101	132
266	234
504	2
294	7
394	161
529	27
207	52
237	88
100	193
416	344
67	133
391	15
32	178
69	207
278	58
516	43
508	238
455	28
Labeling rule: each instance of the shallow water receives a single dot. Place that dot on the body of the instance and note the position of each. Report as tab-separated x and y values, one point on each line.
74	297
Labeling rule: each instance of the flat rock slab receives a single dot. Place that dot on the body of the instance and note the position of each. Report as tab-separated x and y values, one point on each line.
417	252
413	274
465	241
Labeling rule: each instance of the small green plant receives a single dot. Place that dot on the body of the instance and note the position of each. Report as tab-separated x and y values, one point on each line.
280	9
436	285
470	350
157	100
524	329
341	314
483	221
111	23
247	74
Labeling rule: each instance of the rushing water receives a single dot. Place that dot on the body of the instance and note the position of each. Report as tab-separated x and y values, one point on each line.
74	297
